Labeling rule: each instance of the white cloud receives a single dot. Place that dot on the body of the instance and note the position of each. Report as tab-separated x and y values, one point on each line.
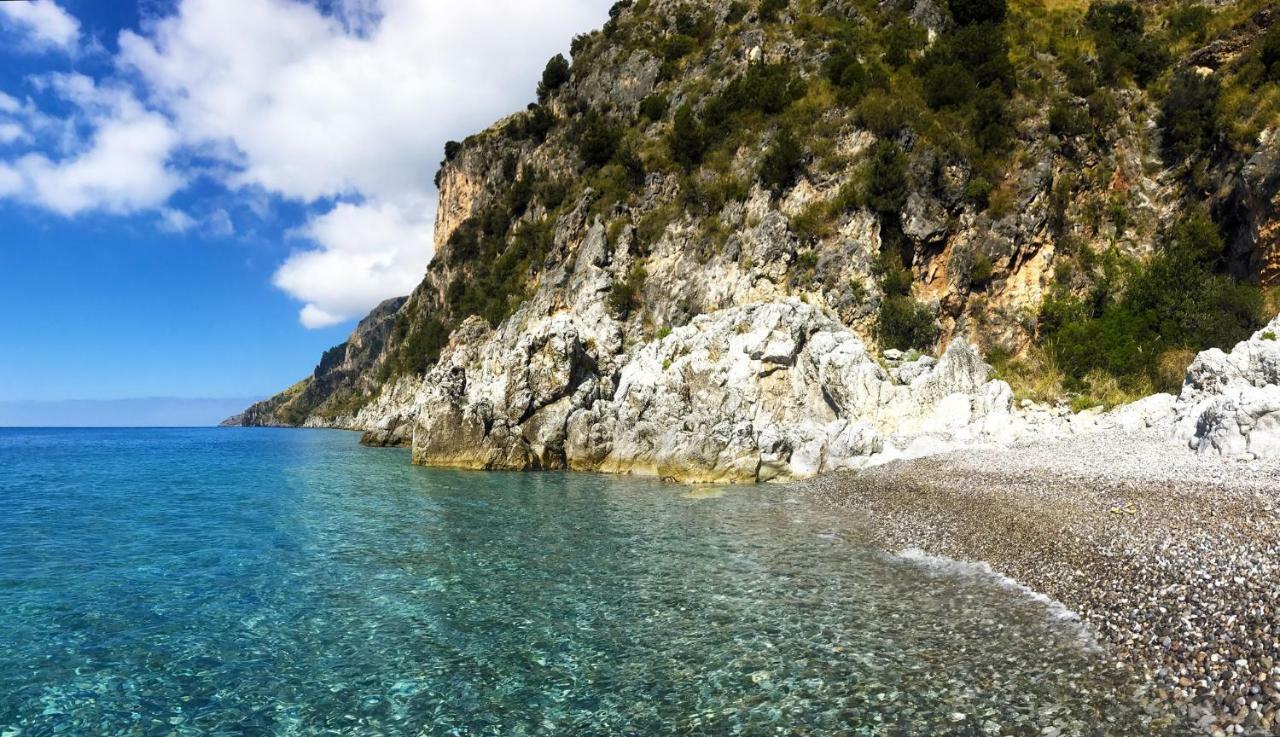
175	221
276	98
309	106
366	253
121	169
10	132
47	24
10	180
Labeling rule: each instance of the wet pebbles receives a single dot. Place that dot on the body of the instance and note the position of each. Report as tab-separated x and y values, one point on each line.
1170	558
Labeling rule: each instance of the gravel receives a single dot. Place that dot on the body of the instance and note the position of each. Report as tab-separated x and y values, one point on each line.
1170	558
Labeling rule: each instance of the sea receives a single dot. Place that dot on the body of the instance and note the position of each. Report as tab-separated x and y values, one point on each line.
290	582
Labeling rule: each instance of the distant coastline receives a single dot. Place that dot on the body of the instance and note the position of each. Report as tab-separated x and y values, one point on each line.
140	412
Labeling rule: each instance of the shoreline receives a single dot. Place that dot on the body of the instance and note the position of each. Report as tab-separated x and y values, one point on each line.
1170	559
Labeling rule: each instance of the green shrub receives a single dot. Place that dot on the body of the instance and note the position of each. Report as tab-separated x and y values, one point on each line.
1068	119
598	140
1081	81
782	163
677	47
1176	301
901	40
887	185
882	113
1188	115
1119	34
688	138
1188	20
654	107
968	12
893	276
1269	335
737	11
904	323
554	76
1269	53
979	191
624	297
992	123
769	9
948	85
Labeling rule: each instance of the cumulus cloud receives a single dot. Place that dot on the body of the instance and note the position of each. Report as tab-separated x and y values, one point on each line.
356	103
121	169
367	253
175	221
43	23
280	98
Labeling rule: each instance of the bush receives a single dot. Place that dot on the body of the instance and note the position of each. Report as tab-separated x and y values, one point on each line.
905	324
948	85
782	163
554	76
882	113
624	297
901	39
1068	119
533	125
677	47
1188	115
1269	53
887	178
654	107
1119	34
1175	302
769	9
688	139
992	124
968	12
598	140
979	191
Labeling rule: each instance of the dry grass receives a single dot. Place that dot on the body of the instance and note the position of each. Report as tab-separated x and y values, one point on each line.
1034	376
1171	369
1107	392
1270	303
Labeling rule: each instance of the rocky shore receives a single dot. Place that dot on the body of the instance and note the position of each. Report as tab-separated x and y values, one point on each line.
1170	558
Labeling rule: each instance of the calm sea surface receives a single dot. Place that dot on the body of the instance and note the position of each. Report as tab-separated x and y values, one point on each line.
265	582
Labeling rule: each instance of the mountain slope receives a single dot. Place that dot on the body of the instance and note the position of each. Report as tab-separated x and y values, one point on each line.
1086	207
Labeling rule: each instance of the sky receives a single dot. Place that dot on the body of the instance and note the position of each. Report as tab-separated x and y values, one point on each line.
198	197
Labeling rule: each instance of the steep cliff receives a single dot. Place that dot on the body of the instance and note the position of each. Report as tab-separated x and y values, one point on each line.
693	255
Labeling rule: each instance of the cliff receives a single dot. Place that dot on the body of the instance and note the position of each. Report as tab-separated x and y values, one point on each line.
726	239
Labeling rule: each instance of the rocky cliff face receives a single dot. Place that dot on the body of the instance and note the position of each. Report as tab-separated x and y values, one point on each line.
680	262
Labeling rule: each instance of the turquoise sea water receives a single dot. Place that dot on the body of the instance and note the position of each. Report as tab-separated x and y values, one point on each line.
264	582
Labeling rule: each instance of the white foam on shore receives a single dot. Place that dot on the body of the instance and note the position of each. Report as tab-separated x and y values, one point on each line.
1057	612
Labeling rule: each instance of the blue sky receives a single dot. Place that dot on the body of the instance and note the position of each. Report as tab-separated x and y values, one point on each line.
198	197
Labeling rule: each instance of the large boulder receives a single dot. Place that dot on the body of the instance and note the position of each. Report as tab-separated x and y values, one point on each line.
1230	402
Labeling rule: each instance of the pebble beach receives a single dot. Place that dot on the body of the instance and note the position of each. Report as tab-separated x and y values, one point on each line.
1169	558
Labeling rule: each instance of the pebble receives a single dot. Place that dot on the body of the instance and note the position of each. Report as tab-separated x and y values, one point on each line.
1170	558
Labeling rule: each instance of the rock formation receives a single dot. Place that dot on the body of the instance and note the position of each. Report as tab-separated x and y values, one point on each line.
622	283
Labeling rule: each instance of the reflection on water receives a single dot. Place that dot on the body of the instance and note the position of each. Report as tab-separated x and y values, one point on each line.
291	583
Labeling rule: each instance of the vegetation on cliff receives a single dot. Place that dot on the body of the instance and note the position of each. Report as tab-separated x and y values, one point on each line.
1058	180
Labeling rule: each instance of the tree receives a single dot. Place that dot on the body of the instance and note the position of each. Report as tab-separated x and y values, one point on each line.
782	163
688	139
969	12
554	76
598	140
887	178
1188	116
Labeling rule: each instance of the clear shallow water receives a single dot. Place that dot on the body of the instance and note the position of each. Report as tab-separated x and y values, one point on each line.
262	582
